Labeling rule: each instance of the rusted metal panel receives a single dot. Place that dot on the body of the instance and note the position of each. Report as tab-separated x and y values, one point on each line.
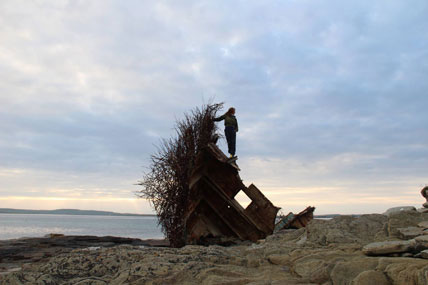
292	221
212	210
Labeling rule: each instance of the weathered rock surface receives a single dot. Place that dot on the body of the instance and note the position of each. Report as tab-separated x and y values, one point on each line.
15	252
388	247
327	252
370	277
402	270
396	210
347	229
422	242
423	224
424	254
403	219
410	232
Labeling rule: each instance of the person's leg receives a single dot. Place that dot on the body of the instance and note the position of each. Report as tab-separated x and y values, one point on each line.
233	142
228	131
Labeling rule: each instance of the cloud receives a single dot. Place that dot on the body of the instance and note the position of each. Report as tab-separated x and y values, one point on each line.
329	94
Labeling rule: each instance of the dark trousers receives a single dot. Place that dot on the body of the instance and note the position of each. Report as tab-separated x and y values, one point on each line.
231	139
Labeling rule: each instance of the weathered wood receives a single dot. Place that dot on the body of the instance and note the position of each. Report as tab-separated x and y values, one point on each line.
260	210
212	210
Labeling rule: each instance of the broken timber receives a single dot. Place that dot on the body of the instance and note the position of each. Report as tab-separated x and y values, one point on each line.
292	221
213	212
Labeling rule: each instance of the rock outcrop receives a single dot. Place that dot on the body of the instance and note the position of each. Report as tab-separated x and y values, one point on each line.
424	193
16	252
406	232
325	252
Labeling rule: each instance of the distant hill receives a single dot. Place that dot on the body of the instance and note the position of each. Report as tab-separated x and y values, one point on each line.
334	215
102	213
66	212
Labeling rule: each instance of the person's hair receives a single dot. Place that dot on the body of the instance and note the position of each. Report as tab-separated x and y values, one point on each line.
230	111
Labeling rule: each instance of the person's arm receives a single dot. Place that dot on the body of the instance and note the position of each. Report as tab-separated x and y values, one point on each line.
236	129
219	118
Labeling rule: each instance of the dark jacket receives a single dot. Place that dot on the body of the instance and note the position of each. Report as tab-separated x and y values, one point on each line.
229	121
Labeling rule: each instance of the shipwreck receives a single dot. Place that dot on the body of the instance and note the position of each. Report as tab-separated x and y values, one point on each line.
213	212
295	221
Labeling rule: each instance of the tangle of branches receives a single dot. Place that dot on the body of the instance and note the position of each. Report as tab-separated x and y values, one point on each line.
166	184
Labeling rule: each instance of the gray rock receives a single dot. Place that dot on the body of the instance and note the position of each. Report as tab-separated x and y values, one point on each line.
410	232
389	247
403	219
370	277
423	254
399	209
278	259
422	242
423	224
16	252
404	270
345	271
423	210
346	229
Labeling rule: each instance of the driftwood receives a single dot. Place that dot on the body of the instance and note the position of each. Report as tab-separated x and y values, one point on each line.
213	212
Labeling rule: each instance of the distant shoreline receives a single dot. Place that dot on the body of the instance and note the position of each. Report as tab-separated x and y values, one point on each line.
107	213
70	212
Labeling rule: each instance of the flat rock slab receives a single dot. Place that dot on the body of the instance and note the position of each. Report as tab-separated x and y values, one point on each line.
15	252
389	247
423	225
422	241
423	254
410	232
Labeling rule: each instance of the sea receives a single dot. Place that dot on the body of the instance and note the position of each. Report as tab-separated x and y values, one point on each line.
14	226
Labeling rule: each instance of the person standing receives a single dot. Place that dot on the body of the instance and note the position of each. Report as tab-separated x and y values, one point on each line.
230	130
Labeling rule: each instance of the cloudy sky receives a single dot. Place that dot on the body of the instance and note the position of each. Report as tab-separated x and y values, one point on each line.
331	98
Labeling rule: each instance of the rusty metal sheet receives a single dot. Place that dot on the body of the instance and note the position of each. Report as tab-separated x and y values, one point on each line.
296	221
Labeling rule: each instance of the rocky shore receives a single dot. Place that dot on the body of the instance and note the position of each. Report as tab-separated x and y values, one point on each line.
371	249
15	253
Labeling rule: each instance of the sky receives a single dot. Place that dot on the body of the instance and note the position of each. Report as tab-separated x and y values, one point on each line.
330	97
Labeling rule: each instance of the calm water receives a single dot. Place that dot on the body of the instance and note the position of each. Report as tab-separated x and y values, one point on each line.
30	225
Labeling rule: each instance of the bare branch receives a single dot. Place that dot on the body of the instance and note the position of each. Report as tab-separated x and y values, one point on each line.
166	184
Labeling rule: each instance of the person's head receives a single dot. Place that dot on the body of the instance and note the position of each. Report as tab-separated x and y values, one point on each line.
231	111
